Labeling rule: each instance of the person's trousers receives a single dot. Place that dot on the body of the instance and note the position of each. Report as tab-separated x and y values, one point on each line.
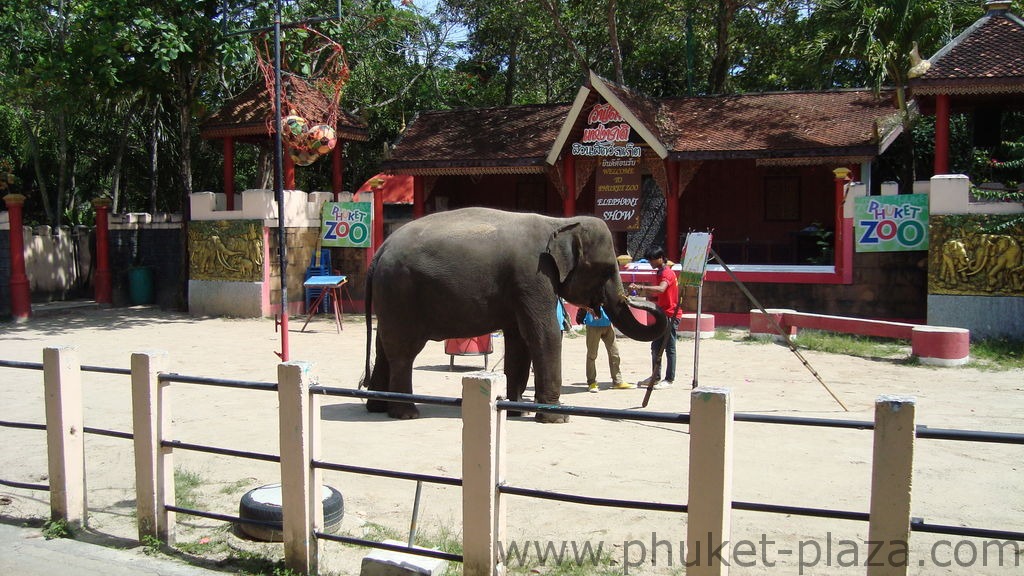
666	344
596	335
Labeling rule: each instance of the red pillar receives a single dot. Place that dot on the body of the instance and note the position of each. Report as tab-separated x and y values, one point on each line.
841	256
289	172
21	299
569	202
419	207
378	218
672	210
942	134
101	281
229	172
337	169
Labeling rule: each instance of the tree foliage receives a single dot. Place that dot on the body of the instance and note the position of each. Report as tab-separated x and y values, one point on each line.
104	97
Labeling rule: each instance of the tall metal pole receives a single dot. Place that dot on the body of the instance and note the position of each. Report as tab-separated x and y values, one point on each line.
282	251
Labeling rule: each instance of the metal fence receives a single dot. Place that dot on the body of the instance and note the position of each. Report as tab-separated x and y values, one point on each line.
483	486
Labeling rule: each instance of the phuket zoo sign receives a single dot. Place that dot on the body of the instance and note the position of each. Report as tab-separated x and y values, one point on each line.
617	181
891	223
346	224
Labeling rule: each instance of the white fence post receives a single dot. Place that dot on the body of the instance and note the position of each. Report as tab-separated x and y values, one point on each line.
892	471
154	464
483	470
301	502
709	503
65	435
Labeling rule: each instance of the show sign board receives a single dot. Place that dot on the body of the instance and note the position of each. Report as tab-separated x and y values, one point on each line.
346	224
617	193
891	223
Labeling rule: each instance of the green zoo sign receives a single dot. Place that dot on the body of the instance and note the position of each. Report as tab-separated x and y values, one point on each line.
346	224
891	223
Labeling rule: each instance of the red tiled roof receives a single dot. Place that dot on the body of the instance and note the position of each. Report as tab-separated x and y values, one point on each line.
483	137
251	113
988	57
773	125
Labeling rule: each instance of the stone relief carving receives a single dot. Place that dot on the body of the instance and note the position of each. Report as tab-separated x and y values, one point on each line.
226	250
976	255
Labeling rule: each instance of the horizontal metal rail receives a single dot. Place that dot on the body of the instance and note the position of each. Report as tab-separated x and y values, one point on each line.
592	501
22	365
22	425
386	473
390	396
111	433
223	382
800	511
969	435
225	517
392	547
220	451
25	485
107	370
919	525
613	413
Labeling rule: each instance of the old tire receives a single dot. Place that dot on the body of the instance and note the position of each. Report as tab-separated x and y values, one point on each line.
263	505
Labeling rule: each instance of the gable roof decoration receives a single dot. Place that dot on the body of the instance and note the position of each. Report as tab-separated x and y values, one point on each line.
986	58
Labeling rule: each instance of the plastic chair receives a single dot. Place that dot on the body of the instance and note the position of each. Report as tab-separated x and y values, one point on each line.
319	265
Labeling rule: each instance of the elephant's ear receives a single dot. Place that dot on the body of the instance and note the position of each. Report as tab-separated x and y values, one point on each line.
565	248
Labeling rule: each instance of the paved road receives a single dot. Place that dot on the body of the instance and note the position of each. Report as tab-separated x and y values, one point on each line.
25	552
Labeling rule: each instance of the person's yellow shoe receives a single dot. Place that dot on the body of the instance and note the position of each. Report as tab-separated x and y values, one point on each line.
623	386
593	387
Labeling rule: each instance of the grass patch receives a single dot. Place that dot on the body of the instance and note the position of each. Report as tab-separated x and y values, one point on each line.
997	354
852	344
57	529
236	487
186	487
152	545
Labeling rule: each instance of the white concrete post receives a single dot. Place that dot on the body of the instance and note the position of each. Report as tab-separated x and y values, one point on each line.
892	471
483	470
709	504
301	503
154	464
65	435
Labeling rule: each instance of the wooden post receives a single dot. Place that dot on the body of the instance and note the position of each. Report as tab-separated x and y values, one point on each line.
709	509
569	179
941	160
154	464
21	294
65	436
301	502
892	471
229	172
483	470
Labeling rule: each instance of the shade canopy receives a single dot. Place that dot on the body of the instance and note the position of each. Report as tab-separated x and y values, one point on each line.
397	188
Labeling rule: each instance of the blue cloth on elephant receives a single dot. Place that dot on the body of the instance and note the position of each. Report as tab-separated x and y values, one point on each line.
601	320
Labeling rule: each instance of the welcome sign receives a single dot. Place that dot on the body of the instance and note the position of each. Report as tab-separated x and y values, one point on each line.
891	223
346	224
617	193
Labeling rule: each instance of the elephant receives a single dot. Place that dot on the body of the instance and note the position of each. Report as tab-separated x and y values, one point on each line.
472	271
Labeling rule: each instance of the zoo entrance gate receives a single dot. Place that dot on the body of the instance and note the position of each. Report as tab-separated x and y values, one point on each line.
483	488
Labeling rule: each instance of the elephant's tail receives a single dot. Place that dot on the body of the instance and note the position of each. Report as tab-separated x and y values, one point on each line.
368	304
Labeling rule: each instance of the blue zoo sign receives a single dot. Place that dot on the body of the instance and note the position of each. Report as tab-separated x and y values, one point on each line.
346	224
891	223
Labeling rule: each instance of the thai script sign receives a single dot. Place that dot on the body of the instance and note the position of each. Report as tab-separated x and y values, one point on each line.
617	193
607	134
346	224
891	223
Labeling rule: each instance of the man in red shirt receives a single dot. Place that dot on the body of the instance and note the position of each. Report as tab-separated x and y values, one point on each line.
666	294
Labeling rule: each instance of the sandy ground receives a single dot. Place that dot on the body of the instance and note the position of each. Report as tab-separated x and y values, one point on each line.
956	483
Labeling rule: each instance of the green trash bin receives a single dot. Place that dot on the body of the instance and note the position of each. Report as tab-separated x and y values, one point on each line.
140	285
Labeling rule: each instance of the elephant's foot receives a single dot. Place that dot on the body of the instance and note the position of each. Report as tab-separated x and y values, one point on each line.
375	405
548	418
403	411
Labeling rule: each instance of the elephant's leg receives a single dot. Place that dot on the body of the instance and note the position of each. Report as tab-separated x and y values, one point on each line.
546	351
517	367
379	379
401	358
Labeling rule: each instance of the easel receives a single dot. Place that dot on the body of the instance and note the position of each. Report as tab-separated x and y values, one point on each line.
693	264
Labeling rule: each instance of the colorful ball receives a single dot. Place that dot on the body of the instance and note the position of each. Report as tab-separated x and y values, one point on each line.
294	129
321	139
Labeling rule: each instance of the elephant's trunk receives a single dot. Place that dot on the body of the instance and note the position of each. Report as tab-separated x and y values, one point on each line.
618	307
